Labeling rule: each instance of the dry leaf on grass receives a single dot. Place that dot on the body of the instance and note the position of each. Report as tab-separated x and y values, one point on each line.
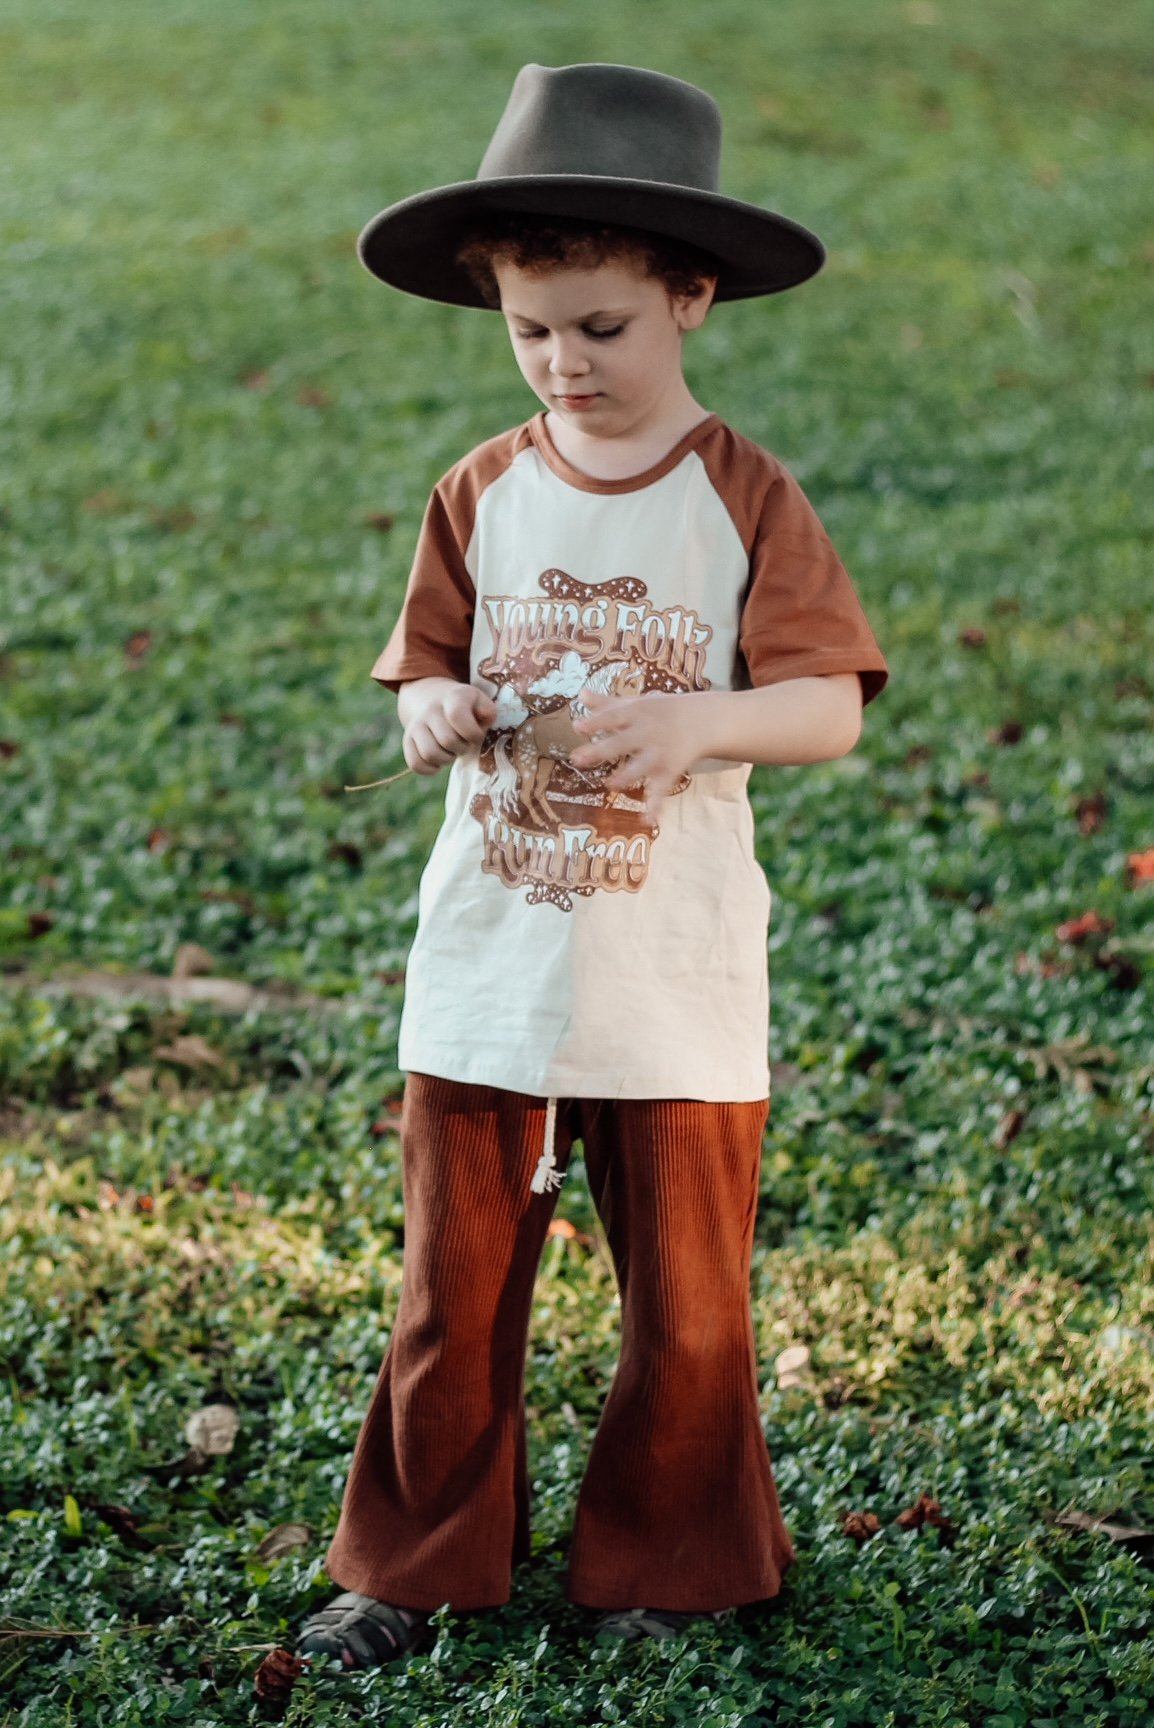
1140	866
277	1675
190	1050
926	1510
191	960
1130	1535
860	1525
283	1540
212	1429
792	1365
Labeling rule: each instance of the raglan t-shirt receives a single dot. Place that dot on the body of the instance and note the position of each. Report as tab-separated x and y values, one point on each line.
565	944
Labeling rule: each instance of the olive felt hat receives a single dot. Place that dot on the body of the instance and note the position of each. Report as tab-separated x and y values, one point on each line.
603	143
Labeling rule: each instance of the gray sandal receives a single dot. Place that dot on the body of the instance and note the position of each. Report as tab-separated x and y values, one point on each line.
634	1623
362	1632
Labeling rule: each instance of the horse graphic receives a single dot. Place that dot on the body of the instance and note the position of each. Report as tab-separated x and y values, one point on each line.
527	757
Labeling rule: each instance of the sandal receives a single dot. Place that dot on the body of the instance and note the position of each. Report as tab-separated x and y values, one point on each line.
634	1623
362	1632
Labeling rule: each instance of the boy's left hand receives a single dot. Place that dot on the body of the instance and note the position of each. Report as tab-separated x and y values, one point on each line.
653	738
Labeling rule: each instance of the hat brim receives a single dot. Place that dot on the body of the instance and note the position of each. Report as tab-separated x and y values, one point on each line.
410	244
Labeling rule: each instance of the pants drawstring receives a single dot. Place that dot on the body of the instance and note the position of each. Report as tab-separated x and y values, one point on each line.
546	1175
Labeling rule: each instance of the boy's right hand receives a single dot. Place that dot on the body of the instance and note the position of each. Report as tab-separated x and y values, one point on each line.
442	721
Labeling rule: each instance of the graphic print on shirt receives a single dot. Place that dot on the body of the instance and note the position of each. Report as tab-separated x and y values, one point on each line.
547	824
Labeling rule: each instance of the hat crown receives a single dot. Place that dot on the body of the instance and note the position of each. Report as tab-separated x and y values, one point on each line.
602	119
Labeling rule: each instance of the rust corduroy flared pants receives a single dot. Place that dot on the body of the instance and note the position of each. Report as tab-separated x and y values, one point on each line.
677	1507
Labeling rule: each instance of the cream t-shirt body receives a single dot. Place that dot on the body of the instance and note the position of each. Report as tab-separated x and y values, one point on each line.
566	945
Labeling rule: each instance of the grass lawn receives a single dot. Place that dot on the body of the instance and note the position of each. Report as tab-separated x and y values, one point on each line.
219	434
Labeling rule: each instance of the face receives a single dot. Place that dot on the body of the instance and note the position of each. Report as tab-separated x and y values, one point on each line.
609	333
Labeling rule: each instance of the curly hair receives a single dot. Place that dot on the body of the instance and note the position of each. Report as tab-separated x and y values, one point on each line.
541	243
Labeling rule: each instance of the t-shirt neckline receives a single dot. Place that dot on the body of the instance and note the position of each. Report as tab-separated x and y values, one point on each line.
572	476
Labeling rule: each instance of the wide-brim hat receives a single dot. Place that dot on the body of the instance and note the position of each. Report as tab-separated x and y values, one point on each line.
602	143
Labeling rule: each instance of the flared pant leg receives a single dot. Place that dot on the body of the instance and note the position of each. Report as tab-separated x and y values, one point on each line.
436	1504
678	1507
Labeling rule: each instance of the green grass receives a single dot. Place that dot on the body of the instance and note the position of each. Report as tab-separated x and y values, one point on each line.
206	400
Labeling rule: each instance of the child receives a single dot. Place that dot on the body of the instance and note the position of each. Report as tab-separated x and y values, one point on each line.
615	608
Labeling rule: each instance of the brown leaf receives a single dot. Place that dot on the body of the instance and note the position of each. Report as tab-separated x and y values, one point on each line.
1091	813
190	1050
926	1510
1078	929
278	1674
159	839
284	1539
8	748
191	961
916	1515
138	644
973	636
39	923
1009	732
1009	1127
861	1526
1140	866
1135	1535
133	1083
381	520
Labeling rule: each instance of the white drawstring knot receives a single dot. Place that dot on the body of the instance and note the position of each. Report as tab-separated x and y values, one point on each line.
546	1175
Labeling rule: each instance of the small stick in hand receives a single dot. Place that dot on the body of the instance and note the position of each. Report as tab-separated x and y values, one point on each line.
369	784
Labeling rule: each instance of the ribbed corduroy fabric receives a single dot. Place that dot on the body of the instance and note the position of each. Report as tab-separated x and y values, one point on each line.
678	1507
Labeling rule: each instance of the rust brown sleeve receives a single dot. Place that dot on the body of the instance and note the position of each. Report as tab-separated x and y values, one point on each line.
431	637
802	616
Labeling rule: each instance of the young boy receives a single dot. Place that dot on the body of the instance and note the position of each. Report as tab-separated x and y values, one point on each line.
615	608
